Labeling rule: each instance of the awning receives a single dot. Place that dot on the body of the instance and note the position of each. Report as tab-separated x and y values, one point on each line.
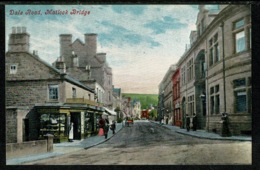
110	112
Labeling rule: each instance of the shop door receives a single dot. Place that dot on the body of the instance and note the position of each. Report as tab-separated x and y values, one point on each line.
75	118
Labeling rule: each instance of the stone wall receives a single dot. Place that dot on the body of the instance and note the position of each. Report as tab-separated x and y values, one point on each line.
15	127
15	150
11	125
27	93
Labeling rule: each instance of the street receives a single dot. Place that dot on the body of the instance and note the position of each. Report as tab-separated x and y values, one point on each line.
146	143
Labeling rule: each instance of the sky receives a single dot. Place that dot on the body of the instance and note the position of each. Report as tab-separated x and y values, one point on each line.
141	42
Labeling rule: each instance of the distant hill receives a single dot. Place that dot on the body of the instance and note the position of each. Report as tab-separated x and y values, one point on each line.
145	99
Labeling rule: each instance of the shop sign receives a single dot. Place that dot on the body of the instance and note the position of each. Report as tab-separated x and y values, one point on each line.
48	110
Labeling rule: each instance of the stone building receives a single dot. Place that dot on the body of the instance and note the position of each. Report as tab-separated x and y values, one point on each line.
41	99
177	117
85	64
117	102
215	71
166	96
136	109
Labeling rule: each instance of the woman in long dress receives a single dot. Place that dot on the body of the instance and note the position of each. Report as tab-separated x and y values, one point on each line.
71	133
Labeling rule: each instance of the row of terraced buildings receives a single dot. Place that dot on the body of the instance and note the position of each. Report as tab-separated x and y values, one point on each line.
213	76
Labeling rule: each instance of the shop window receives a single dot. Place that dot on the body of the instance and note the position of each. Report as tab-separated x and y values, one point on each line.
13	69
53	123
53	92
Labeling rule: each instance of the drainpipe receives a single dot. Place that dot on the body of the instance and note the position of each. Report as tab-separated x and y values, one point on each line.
207	89
223	56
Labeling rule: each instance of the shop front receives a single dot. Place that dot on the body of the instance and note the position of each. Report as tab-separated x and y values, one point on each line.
57	121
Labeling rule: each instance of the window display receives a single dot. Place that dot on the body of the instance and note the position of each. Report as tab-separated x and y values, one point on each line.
53	123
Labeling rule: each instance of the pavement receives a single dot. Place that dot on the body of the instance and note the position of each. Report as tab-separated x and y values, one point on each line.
68	147
203	133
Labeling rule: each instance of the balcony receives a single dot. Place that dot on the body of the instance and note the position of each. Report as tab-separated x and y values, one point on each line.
83	101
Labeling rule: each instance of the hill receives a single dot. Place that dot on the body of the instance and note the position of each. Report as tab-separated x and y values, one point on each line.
145	99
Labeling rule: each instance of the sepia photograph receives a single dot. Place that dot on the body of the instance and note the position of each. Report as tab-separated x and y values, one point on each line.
128	84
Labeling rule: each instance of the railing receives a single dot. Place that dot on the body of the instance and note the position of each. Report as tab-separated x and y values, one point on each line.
82	101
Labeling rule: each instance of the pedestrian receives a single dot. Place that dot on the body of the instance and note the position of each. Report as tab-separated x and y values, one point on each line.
187	122
106	127
225	125
71	136
194	122
101	124
113	126
167	119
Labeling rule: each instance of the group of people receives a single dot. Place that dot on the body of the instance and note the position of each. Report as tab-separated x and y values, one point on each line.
194	122
104	126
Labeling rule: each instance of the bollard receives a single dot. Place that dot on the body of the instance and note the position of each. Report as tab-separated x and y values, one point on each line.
49	139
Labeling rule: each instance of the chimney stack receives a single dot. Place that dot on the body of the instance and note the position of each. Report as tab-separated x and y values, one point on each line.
18	40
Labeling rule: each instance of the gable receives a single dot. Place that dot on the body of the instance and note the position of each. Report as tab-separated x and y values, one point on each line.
29	67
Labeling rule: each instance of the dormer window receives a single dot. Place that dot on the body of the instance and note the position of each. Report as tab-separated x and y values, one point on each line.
13	69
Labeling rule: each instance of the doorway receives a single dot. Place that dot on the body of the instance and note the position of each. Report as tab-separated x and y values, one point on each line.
76	119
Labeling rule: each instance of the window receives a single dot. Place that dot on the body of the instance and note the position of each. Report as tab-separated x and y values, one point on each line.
214	100
74	94
211	104
239	24
191	104
53	123
216	49
240	42
242	94
53	92
240	101
190	69
213	50
242	34
183	75
211	57
13	69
